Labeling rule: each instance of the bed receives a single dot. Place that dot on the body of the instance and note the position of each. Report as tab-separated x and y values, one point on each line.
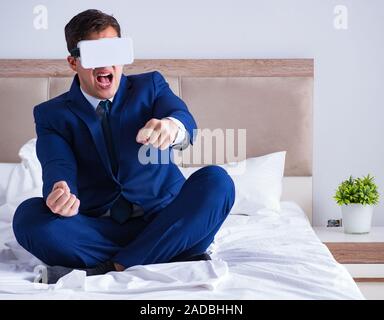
258	254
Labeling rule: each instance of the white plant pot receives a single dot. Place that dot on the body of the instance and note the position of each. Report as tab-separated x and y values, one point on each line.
357	218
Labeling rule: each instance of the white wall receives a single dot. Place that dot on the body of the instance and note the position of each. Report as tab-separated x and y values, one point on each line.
349	90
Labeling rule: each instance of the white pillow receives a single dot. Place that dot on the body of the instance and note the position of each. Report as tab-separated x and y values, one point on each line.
258	182
24	181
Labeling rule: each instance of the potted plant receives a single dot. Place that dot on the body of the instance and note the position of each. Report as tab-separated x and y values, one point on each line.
357	198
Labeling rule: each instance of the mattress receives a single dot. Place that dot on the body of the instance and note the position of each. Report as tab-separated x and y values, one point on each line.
266	255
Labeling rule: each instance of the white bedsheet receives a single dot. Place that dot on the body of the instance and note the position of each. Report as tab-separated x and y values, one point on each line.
264	256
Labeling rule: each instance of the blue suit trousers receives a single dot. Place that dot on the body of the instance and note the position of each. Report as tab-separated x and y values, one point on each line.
185	227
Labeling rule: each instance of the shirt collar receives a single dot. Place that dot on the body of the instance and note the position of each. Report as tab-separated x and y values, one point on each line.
93	100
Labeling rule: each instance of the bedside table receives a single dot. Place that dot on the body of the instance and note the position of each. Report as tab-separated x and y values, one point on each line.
361	254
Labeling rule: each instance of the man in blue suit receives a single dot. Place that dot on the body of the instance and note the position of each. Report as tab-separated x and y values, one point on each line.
102	208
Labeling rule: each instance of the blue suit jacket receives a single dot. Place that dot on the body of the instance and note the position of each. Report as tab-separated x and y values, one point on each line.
70	145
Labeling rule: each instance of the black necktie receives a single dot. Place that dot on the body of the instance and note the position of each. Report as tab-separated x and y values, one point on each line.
122	208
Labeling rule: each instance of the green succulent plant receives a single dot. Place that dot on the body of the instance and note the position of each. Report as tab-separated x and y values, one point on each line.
357	190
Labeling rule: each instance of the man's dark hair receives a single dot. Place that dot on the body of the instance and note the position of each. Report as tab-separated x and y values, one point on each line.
86	22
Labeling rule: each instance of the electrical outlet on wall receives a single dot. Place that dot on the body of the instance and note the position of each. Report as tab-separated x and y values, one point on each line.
334	223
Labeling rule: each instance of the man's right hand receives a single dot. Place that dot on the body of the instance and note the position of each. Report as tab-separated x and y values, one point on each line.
61	201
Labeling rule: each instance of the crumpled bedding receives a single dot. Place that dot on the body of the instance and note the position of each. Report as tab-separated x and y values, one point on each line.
267	255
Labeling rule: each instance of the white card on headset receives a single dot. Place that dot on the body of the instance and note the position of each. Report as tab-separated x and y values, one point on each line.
105	52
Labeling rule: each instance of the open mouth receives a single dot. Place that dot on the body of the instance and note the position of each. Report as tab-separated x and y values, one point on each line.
104	80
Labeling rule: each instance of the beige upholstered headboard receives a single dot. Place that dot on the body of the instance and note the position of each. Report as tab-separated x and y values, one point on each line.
271	99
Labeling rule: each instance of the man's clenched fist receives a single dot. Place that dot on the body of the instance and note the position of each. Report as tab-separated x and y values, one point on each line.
160	133
61	201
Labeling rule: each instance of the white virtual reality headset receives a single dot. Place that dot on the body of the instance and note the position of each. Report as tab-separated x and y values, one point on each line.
104	52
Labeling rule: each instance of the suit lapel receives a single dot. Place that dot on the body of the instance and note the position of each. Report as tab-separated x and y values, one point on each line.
85	111
120	106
